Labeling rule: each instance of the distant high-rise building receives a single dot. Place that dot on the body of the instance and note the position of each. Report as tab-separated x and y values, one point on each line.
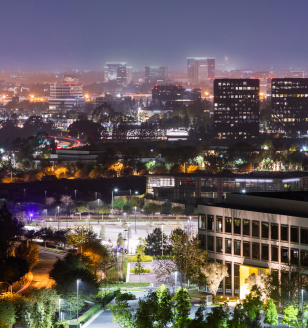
155	74
117	72
290	104
129	74
236	108
67	95
200	69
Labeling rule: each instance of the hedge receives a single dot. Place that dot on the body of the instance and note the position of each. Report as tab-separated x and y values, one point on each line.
97	307
145	258
132	284
145	270
164	257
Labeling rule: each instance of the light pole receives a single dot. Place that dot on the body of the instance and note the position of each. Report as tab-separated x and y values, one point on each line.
98	205
115	190
77	296
162	240
3	282
58	207
60	310
75	193
135	220
46	216
302	292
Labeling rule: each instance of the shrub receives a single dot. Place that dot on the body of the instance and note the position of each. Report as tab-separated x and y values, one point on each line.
145	258
133	284
164	257
145	270
126	297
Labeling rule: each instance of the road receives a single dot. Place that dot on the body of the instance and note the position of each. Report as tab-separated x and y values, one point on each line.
112	229
41	270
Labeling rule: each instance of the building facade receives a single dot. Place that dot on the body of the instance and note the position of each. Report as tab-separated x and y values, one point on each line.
236	108
200	69
290	104
156	75
215	187
255	240
175	93
117	72
66	95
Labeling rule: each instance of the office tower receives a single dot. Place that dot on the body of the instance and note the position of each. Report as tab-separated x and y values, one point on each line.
67	95
174	92
200	69
155	74
236	108
116	72
129	74
290	104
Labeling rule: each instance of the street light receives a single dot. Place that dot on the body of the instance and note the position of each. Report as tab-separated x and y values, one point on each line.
77	297
115	190
98	205
3	282
135	220
60	310
46	214
58	207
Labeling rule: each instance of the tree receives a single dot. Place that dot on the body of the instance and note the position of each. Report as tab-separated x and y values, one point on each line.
218	317
164	271
80	174
146	313
182	307
28	251
164	306
97	253
252	306
122	314
238	320
120	240
152	208
79	236
65	273
102	232
263	281
95	173
154	241
176	210
49	201
214	273
119	203
12	269
7	313
10	230
271	316
290	316
187	254
141	245
139	266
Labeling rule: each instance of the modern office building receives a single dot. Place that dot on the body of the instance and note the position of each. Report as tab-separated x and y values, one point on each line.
129	74
66	95
156	75
258	233
174	92
200	69
290	104
116	72
236	108
214	187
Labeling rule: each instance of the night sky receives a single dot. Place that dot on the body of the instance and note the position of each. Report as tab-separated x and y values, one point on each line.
50	34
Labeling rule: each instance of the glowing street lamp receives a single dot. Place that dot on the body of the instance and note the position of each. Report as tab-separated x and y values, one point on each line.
115	190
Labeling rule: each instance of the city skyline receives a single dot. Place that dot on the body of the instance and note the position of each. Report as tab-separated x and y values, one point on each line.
55	35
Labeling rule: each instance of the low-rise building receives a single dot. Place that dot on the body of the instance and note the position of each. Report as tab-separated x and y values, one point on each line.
258	233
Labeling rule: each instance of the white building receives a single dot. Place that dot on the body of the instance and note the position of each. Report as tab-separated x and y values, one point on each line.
257	233
66	95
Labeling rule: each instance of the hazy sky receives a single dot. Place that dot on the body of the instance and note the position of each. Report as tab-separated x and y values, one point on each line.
85	34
